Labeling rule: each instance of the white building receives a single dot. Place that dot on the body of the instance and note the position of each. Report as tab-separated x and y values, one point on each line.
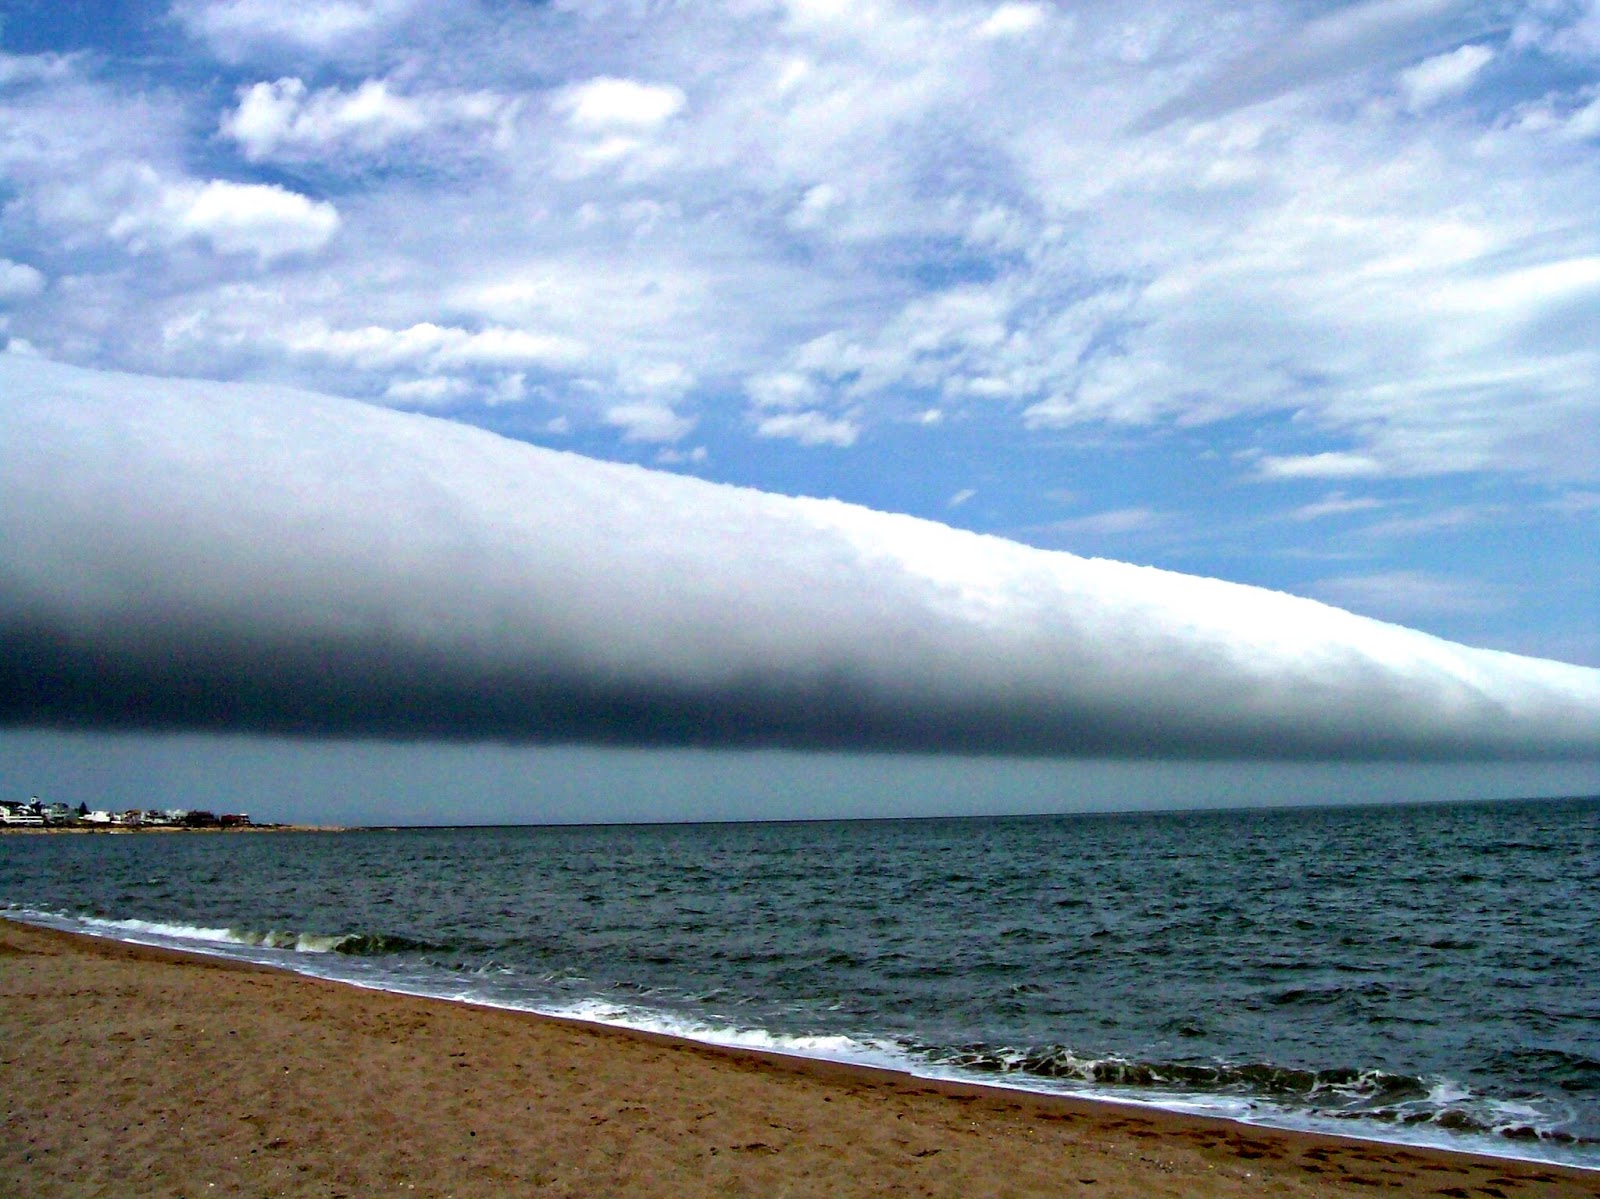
20	813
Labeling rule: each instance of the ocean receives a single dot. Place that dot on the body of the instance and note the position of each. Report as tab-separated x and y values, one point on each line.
1425	974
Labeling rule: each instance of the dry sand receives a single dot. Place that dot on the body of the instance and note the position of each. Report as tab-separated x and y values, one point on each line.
127	1071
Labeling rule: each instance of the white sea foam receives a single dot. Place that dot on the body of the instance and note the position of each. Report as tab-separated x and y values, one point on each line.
140	931
822	1047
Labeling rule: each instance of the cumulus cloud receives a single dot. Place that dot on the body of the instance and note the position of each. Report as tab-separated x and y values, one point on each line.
616	123
648	420
438	389
183	554
18	280
889	206
782	389
809	427
285	120
262	219
438	347
607	103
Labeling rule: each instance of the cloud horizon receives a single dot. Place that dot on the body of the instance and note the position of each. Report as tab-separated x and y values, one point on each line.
212	556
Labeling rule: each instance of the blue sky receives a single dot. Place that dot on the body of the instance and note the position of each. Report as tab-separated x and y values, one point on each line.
1299	295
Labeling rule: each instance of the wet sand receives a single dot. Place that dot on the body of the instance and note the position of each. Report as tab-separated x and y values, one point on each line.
127	1071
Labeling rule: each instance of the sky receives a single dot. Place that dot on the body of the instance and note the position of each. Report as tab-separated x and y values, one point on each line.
1299	296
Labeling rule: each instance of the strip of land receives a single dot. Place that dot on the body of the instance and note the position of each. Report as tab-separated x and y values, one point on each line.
130	1071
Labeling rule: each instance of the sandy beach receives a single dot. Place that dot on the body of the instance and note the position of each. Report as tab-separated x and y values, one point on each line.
128	1071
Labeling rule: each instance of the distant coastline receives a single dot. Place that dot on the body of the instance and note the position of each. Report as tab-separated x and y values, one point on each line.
116	830
37	816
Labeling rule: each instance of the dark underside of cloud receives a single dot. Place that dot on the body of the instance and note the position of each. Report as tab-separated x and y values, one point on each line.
379	691
183	555
345	690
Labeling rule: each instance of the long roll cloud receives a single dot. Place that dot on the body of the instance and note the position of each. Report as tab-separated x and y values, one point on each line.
186	555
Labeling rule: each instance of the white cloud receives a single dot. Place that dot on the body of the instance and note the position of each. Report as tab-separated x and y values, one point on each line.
271	115
668	456
18	280
606	104
1564	30
814	207
782	389
1354	37
18	69
1334	464
809	427
661	380
1409	594
1571	116
1427	523
1336	504
1012	20
233	218
1443	76
863	201
1116	522
646	420
954	340
237	28
1584	123
375	347
283	119
362	572
616	124
1575	503
623	300
960	497
423	392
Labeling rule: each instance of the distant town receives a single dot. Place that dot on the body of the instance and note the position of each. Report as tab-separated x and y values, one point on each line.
39	815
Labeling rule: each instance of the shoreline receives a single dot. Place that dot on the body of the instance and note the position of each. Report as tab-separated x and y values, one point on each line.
295	954
129	1069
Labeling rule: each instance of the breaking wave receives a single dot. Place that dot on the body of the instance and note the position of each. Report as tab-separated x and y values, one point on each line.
1347	1094
193	936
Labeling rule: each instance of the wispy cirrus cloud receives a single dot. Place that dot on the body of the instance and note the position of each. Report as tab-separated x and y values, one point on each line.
1355	37
1410	594
1336	503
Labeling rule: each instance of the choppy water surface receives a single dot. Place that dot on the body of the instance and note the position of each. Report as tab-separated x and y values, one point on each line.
1421	973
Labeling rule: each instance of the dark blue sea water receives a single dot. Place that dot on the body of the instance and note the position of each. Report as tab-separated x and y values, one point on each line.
1419	973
